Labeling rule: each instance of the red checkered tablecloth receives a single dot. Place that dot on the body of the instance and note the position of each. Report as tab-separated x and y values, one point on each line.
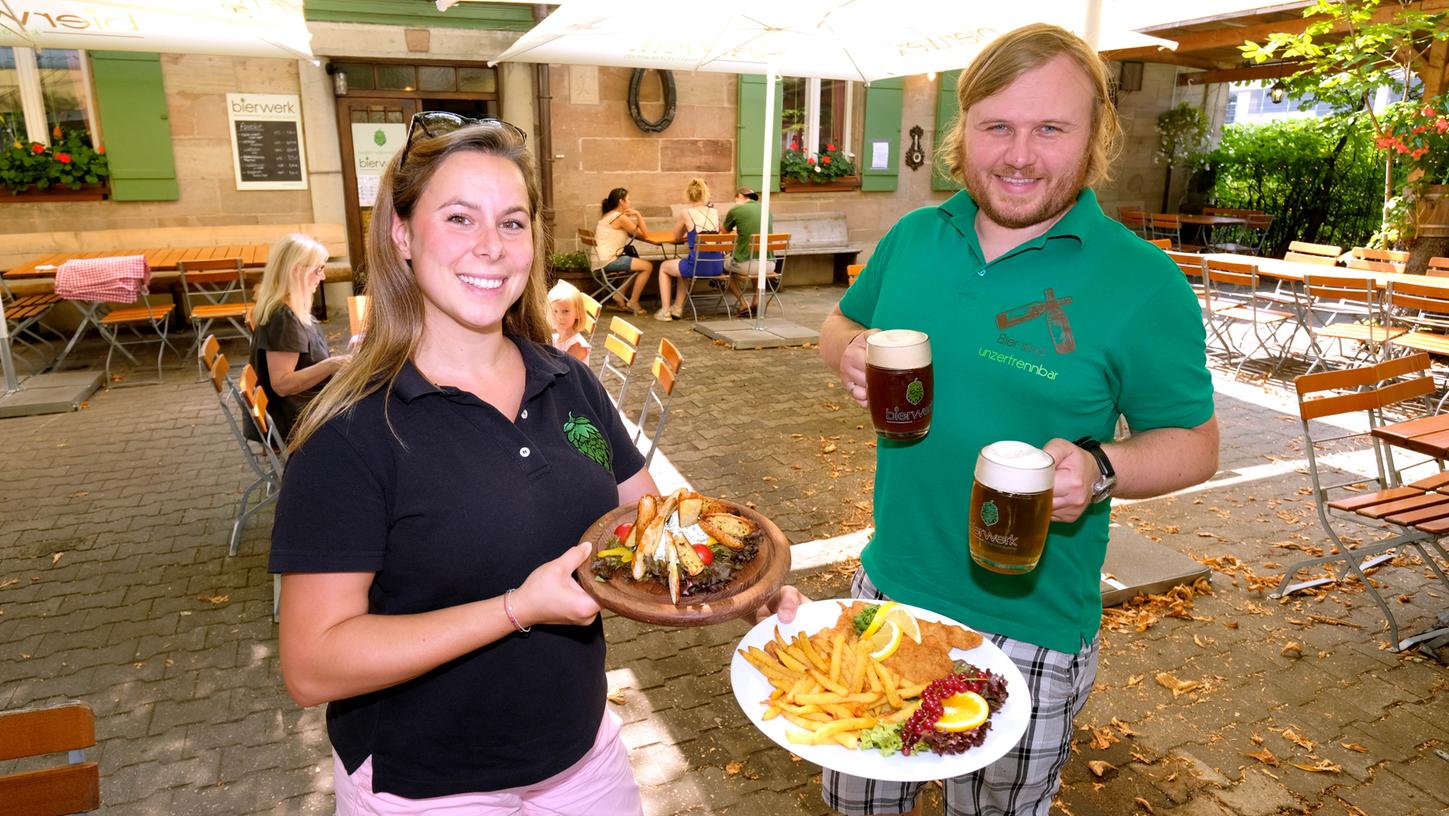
119	279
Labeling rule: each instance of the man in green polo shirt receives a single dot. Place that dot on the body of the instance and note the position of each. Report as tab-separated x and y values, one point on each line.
1048	321
743	219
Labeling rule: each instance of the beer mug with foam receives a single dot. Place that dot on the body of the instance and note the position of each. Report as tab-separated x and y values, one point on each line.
1011	506
898	383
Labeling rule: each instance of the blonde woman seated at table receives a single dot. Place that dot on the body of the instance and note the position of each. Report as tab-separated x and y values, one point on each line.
288	351
698	216
619	225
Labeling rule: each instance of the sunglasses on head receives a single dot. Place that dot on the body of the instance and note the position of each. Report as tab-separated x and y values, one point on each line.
436	123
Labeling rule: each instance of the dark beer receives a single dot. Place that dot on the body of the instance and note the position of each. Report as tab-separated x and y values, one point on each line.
899	384
1011	507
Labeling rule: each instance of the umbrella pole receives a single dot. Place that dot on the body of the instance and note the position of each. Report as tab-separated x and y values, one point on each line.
766	184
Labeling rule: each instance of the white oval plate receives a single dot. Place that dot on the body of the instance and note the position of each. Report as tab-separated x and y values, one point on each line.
1007	725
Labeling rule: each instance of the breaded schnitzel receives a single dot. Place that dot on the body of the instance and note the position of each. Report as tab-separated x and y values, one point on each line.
918	663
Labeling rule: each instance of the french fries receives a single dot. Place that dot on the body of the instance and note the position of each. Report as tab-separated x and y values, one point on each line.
828	699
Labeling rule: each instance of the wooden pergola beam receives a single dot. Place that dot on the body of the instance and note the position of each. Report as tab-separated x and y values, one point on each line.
1274	71
1194	41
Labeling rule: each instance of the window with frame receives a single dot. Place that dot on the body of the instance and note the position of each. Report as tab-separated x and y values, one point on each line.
815	130
46	97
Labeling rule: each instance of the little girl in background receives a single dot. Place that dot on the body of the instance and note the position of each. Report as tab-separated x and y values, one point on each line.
566	317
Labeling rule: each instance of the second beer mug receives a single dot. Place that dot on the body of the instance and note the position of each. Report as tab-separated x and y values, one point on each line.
898	383
1011	506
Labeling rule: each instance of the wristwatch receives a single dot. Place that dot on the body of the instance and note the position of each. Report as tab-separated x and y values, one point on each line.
1102	489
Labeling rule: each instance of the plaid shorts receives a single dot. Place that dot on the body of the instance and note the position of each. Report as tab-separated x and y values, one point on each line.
1026	779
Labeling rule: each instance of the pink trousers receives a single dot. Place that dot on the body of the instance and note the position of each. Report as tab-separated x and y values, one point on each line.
600	784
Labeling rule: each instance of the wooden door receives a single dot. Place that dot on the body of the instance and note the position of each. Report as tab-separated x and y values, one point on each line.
370	130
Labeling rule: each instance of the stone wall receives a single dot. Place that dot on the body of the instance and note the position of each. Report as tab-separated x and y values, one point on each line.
196	88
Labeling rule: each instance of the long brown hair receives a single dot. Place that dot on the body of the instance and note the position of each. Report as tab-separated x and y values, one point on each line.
394	323
1003	61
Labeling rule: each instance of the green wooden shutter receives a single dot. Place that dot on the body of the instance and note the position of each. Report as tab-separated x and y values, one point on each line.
135	126
945	116
882	123
750	134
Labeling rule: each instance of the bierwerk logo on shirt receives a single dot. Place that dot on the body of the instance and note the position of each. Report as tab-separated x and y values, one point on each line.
1049	309
587	439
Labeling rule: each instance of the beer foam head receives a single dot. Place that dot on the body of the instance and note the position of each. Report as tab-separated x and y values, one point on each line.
898	349
1015	467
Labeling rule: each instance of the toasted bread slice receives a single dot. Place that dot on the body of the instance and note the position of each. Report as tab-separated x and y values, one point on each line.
689	509
730	530
709	507
688	558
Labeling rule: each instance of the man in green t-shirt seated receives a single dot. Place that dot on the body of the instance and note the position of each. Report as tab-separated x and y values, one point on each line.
743	219
1048	322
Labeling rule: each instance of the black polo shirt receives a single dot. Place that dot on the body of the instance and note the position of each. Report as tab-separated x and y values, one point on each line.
448	501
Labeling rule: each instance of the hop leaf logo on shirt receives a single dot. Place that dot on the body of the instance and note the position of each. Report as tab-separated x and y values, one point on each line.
379	137
915	392
989	514
588	440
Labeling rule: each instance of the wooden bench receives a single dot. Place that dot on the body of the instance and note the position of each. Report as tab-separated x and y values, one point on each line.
820	248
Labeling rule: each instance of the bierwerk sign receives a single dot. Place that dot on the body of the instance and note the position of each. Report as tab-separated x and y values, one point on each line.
266	141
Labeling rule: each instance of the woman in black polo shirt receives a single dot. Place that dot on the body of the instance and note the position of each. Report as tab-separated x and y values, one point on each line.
288	351
428	519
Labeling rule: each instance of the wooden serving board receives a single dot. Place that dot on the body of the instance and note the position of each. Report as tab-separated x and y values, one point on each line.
648	601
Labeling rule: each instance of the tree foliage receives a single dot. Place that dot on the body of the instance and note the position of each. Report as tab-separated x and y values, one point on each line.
1264	166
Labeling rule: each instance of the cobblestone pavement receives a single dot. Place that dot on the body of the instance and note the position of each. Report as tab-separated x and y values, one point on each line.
115	589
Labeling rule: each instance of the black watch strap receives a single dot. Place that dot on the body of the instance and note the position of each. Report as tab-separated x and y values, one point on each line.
1092	446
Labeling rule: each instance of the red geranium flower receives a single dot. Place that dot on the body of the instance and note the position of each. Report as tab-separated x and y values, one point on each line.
101	150
63	158
825	160
37	147
830	147
810	160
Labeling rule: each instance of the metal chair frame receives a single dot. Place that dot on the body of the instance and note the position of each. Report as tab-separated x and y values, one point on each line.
722	244
1368	391
777	245
621	347
609	283
215	289
667	362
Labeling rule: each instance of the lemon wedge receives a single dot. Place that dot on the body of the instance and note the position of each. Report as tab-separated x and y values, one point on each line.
884	643
879	620
963	712
900	617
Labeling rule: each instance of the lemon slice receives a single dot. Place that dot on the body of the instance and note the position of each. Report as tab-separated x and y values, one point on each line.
880	618
963	712
884	643
900	617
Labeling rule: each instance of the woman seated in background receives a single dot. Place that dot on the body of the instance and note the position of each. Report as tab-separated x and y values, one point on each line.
698	216
619	225
288	351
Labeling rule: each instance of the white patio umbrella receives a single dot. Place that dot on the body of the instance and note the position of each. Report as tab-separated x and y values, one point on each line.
244	28
860	40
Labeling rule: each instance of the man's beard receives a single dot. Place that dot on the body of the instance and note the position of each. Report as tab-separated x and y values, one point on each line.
1060	195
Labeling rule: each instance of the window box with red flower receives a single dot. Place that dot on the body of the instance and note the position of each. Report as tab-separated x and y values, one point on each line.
1416	136
833	169
67	170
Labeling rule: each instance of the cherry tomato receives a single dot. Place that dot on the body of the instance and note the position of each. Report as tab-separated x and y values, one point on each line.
622	531
705	554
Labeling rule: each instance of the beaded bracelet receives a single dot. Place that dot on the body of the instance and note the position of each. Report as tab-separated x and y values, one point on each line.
508	610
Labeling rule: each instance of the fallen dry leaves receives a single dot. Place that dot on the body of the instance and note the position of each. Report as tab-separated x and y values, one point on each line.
1322	766
1141	612
214	600
1264	756
1176	686
1100	767
1143	803
1355	747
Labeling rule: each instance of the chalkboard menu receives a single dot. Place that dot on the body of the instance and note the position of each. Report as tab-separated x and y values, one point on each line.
266	141
268	151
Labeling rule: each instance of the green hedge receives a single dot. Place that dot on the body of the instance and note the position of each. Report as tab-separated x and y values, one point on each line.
1322	179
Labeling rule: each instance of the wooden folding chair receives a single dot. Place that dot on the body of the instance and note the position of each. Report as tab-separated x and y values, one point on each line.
1252	311
1133	218
1348	309
1304	252
1169	226
590	324
356	318
773	259
51	791
215	289
1394	258
667	362
1438	267
1422	310
260	449
1415	515
620	349
852	272
1161	243
609	283
710	251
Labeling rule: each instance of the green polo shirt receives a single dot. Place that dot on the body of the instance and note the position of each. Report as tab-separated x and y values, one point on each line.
1125	337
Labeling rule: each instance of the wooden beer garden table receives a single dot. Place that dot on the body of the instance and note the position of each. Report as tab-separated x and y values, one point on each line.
1427	435
163	259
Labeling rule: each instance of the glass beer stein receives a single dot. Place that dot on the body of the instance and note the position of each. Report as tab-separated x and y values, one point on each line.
898	383
1011	506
